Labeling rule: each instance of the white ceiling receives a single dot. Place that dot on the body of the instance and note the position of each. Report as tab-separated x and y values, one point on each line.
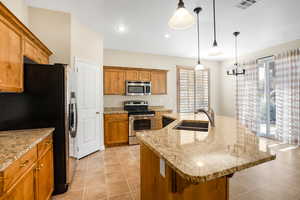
266	23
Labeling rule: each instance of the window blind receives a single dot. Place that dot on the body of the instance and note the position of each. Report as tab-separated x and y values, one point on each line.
189	80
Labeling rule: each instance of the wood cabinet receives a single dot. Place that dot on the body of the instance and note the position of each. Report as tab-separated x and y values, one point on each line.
114	82
17	41
172	186
44	176
115	129
159	82
31	176
115	78
158	119
11	58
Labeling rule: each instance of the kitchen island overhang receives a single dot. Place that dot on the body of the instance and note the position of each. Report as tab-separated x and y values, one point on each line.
201	158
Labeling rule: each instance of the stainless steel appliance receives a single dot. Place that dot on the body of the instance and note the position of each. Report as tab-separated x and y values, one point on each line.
135	88
140	118
48	100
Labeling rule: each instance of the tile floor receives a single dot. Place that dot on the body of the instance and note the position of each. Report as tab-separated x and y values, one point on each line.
114	175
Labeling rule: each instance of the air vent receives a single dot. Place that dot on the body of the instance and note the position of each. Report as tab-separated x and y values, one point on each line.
244	4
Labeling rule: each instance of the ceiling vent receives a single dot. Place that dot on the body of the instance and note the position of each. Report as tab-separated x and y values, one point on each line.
244	4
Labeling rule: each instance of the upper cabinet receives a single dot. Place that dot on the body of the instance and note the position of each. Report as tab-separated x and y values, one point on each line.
114	81
17	41
159	82
116	77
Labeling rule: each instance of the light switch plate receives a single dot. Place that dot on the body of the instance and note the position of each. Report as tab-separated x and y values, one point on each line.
162	167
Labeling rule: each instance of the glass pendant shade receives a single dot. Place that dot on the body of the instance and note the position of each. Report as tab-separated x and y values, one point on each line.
199	66
215	51
181	19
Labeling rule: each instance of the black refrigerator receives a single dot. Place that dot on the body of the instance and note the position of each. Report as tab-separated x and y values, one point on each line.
48	100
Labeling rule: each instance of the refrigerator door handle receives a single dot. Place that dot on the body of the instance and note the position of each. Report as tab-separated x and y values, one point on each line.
73	121
76	119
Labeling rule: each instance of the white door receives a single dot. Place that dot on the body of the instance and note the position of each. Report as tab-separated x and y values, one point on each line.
90	122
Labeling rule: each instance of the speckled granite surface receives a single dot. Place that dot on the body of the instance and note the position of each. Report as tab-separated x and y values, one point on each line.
203	156
14	144
114	110
119	110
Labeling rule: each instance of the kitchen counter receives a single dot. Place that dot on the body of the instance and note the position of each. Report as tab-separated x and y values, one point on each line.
120	110
199	157
14	144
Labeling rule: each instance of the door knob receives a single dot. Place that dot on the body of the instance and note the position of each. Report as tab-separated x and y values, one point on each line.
97	113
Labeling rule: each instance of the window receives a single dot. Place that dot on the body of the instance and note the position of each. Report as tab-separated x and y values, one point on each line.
187	81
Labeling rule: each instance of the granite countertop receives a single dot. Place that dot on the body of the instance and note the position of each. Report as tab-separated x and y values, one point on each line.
204	156
14	144
120	110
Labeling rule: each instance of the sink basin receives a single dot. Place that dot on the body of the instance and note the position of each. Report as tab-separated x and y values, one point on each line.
190	125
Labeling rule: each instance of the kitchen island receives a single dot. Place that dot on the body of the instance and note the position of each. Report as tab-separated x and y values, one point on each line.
186	164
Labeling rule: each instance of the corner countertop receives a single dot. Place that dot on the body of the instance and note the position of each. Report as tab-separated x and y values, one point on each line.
203	156
120	110
14	144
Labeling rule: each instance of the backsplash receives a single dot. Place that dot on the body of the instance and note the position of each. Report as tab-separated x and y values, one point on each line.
153	100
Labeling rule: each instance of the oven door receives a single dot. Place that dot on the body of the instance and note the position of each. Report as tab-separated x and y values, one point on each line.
139	123
135	88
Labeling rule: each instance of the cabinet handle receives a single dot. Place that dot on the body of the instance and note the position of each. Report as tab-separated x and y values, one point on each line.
24	164
40	167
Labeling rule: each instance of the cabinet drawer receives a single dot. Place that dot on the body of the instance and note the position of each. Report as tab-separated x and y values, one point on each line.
16	169
116	116
44	146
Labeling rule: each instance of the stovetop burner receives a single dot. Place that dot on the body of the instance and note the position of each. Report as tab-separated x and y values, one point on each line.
137	108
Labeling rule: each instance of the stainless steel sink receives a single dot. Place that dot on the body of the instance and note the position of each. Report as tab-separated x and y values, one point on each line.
191	125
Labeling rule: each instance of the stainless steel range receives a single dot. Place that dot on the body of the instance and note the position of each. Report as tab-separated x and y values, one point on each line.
140	118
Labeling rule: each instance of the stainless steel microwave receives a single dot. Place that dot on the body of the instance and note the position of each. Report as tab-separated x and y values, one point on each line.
135	88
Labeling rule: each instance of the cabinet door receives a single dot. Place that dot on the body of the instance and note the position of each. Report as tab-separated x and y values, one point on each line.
44	176
30	50
42	57
159	82
144	75
11	58
24	190
132	75
114	82
116	129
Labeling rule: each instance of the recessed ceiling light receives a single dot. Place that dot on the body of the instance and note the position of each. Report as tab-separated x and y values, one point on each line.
121	28
167	36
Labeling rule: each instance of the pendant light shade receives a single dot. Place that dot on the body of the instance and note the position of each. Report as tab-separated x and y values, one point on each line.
199	66
181	19
215	50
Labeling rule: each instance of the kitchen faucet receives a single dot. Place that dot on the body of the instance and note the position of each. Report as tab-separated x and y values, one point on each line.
210	116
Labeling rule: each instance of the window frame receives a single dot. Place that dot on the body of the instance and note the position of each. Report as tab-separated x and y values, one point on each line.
178	68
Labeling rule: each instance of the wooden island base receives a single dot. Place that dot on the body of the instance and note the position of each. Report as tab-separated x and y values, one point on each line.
173	187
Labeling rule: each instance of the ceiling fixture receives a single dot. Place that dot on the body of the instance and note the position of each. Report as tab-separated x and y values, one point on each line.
244	4
121	28
215	50
181	19
236	71
199	66
167	36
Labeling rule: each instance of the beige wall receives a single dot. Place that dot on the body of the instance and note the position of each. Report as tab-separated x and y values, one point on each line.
131	59
53	28
19	8
227	83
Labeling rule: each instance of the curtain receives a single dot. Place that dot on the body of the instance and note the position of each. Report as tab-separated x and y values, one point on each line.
287	67
247	97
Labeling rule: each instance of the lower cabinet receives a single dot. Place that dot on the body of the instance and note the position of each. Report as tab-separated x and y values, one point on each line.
33	176
44	176
158	119
115	129
25	188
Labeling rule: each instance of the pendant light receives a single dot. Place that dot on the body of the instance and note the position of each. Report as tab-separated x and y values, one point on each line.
181	19
236	71
215	50
199	66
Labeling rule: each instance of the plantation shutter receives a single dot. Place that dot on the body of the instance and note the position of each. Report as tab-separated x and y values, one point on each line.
187	81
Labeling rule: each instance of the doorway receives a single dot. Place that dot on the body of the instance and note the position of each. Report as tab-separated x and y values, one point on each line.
267	97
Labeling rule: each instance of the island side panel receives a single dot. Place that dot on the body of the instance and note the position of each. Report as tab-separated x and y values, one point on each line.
173	186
